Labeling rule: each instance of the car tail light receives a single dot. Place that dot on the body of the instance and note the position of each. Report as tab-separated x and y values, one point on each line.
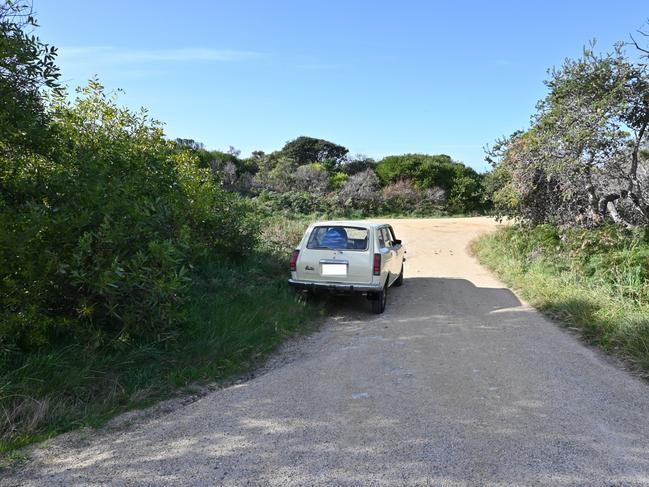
293	261
377	264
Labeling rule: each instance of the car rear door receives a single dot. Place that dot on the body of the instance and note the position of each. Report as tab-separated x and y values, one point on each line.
345	265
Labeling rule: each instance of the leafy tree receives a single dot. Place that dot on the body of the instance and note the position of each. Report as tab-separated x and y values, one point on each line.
26	68
256	160
190	144
520	188
306	150
466	193
497	184
356	164
582	159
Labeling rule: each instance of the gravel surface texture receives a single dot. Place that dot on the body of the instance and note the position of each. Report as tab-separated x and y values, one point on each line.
459	383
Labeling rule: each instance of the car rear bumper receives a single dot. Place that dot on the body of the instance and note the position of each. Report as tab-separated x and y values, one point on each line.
336	287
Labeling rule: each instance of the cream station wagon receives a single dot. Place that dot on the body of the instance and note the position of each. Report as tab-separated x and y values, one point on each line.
349	257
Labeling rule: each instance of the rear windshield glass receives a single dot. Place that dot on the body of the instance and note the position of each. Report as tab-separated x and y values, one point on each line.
338	238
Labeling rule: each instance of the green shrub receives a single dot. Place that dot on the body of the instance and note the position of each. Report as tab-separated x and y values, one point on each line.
98	237
338	180
291	202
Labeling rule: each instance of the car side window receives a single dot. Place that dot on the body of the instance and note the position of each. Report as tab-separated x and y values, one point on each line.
393	237
381	239
386	237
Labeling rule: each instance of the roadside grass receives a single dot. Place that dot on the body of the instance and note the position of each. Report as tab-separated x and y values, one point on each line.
238	313
593	281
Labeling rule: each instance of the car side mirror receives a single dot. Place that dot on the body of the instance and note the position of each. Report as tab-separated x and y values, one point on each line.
396	241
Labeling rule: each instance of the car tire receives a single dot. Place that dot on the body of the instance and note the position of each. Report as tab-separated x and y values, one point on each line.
399	280
380	300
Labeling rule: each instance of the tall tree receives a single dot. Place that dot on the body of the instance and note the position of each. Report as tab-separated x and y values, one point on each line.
308	150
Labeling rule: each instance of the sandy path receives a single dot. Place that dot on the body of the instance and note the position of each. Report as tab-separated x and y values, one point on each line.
458	383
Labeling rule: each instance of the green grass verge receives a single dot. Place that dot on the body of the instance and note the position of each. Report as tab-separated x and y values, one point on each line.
594	281
237	315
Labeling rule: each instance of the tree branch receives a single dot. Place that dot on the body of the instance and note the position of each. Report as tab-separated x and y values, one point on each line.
637	46
634	156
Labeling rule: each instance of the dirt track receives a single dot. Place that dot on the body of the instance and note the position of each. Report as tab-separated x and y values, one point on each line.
458	383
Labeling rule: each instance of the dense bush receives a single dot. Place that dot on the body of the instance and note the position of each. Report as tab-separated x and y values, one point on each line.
356	164
423	170
301	202
338	180
466	193
440	171
401	196
280	235
361	192
312	178
348	186
98	237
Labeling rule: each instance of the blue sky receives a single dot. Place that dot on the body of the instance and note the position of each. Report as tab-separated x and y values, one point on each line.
379	77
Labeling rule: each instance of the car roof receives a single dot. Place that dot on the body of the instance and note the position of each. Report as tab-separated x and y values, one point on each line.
348	223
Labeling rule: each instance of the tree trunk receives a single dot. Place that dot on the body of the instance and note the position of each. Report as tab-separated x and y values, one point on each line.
635	191
616	216
607	203
633	173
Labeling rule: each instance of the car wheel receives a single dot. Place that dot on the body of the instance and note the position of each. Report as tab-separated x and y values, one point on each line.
378	304
399	280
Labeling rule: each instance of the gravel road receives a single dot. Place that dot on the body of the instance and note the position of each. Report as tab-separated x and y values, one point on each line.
459	383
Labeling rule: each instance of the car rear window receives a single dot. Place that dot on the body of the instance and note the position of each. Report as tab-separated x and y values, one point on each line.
336	237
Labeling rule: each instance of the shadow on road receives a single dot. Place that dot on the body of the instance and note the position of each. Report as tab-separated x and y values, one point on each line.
434	293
